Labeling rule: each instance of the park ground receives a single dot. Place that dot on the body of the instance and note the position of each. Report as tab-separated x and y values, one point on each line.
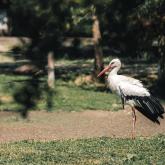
84	124
45	126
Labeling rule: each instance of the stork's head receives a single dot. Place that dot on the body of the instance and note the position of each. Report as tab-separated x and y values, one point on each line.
115	64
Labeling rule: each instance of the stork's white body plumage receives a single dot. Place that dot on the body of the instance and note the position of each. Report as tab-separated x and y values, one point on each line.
126	86
133	92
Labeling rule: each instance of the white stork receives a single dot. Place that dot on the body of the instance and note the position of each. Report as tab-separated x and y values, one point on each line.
133	93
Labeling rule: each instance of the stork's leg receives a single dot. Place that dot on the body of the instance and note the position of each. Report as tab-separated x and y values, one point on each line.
133	122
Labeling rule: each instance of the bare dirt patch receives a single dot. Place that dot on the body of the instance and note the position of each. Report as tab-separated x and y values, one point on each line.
45	126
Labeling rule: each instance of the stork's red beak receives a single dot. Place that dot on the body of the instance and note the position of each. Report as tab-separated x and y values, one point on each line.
104	70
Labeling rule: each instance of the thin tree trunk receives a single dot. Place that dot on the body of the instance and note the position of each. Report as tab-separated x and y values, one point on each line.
161	74
98	60
51	73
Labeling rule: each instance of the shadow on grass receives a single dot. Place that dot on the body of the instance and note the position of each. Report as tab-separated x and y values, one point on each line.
50	93
30	93
27	95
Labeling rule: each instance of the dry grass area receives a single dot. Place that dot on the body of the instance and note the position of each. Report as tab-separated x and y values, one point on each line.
44	126
7	43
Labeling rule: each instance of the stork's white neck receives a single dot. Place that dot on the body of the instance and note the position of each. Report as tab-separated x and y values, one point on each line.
114	71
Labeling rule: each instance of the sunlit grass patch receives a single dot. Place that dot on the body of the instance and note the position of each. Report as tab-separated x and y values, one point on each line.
69	97
66	96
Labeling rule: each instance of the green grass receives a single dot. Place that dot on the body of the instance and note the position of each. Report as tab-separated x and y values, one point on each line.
86	151
72	98
66	96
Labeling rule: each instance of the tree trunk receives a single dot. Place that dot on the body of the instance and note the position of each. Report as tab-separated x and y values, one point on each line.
98	59
51	74
161	50
161	73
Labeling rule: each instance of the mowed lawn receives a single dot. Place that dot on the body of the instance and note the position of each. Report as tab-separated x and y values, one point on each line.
16	90
86	151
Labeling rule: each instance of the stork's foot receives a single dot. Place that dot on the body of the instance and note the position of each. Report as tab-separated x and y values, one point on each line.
133	136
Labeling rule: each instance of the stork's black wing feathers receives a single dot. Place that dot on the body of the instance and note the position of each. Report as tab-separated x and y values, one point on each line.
149	106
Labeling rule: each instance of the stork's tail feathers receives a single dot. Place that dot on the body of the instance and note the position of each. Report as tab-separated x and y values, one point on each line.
150	107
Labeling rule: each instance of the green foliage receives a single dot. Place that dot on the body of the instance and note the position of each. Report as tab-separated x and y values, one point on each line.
147	7
81	14
38	18
85	151
129	24
131	27
81	20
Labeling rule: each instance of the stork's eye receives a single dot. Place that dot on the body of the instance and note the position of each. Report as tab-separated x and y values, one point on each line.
112	63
